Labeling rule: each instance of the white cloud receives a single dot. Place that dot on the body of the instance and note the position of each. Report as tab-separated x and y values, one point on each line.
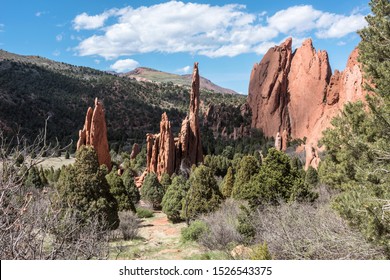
184	70
56	53
41	13
59	38
342	26
341	43
124	65
97	61
204	29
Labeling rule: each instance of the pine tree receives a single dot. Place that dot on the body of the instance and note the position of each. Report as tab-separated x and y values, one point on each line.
247	169
33	178
203	195
228	183
120	192
128	181
172	201
83	187
374	50
152	190
165	181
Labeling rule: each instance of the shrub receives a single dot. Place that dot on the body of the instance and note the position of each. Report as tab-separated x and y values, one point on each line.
83	187
128	225
120	192
203	195
260	252
128	182
247	169
194	231
172	201
228	183
152	190
144	213
67	155
222	225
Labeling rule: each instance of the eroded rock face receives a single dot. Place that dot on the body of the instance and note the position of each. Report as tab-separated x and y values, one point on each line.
135	151
296	93
166	154
308	80
267	96
94	133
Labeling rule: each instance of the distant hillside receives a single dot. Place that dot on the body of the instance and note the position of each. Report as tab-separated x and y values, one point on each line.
152	75
33	88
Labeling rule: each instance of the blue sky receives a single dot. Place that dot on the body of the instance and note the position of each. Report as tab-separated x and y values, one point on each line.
225	37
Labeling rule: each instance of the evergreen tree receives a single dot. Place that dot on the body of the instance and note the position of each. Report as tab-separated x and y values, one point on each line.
152	190
33	178
172	201
374	50
228	183
165	181
128	181
120	192
247	169
203	195
42	176
311	177
83	187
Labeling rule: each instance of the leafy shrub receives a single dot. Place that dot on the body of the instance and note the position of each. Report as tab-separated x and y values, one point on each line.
194	231
144	213
120	192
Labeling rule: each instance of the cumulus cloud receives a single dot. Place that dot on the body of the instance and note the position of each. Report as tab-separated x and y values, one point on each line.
59	38
204	29
184	70
124	65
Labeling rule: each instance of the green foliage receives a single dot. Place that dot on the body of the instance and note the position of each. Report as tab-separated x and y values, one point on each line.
152	190
311	177
194	231
42	176
144	213
203	195
374	51
67	155
172	201
83	187
219	164
245	226
131	188
228	183
34	178
165	181
260	252
120	192
247	169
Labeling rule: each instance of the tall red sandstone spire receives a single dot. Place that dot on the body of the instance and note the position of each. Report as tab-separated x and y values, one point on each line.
94	133
166	154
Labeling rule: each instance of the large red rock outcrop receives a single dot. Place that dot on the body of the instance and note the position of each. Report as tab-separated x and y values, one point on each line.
297	93
94	133
308	80
267	95
166	154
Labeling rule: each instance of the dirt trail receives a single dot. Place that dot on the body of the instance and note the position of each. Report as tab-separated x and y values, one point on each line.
162	240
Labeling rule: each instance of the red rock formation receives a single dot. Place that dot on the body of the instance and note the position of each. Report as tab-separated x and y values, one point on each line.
94	133
308	80
166	154
284	140
135	151
267	94
278	142
312	98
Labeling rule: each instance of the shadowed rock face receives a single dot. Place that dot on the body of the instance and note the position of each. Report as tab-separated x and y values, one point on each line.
94	133
267	96
296	93
166	154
